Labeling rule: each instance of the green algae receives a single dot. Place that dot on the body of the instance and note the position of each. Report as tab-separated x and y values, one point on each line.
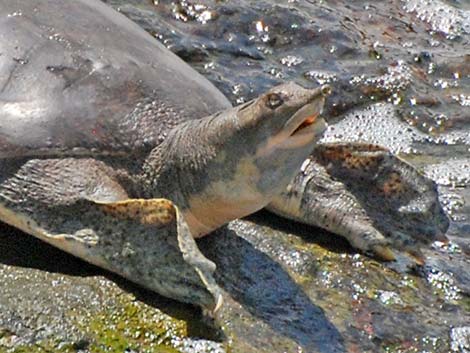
127	326
132	326
54	347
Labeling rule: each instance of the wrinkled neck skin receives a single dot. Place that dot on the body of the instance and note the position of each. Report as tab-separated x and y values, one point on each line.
216	171
205	172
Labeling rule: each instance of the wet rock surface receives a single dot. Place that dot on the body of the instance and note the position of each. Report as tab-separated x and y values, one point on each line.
401	77
53	302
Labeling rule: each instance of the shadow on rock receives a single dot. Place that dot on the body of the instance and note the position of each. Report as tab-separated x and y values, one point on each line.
267	292
23	250
310	234
18	249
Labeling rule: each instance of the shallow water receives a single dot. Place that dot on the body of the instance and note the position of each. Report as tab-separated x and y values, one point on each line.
401	77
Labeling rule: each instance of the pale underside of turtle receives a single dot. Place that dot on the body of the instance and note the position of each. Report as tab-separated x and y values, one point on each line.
116	151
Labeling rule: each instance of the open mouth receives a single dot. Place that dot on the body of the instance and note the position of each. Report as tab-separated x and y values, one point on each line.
305	124
305	120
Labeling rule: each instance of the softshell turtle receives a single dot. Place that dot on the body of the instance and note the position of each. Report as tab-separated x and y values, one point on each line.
115	150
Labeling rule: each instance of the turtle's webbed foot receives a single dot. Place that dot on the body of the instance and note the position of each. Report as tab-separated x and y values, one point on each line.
374	199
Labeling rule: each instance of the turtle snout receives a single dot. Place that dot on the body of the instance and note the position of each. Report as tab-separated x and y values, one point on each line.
321	92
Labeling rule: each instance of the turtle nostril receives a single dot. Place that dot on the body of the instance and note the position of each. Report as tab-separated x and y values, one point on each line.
326	90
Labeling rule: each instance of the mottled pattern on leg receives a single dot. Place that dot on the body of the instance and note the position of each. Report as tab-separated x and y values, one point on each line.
158	212
314	198
368	195
146	241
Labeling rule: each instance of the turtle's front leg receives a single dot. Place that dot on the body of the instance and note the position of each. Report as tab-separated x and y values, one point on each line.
78	206
369	196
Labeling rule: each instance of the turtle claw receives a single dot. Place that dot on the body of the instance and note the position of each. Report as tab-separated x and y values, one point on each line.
366	194
219	303
383	252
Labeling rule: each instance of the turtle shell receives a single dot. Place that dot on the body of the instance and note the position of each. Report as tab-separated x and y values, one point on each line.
78	77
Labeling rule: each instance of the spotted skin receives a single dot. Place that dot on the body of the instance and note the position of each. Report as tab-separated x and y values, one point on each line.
157	212
144	240
368	195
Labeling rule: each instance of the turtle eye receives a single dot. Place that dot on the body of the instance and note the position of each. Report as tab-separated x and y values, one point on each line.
273	100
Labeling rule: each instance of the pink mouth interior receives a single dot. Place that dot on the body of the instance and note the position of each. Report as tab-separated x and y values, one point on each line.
307	122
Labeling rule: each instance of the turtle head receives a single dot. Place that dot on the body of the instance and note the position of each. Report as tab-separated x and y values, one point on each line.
277	131
285	121
234	162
